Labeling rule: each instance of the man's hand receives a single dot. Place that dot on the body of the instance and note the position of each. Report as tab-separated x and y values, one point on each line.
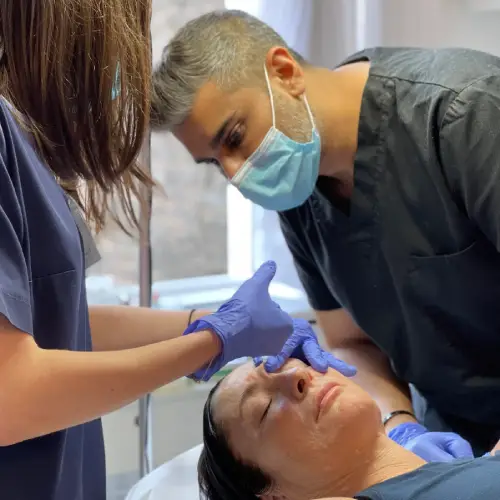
431	446
303	344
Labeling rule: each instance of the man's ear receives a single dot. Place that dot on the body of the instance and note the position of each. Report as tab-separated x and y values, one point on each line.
282	66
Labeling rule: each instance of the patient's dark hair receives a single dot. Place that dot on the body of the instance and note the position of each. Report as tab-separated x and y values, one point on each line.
221	476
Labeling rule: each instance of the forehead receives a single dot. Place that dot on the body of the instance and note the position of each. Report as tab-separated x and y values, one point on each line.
226	398
212	107
237	380
229	393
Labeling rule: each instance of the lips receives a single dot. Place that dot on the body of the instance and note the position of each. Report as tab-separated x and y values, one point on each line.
326	394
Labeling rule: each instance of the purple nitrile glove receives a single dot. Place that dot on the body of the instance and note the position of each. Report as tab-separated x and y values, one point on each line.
303	344
249	324
431	446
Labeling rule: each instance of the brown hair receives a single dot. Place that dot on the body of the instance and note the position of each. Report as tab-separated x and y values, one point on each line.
59	70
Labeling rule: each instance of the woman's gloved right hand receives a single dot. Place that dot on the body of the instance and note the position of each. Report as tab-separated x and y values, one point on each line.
249	324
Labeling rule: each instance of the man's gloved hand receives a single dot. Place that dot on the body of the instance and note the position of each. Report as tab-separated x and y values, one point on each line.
304	345
249	324
431	446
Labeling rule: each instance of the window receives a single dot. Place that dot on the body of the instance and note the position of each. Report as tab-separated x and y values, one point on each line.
189	240
251	6
204	243
189	226
189	217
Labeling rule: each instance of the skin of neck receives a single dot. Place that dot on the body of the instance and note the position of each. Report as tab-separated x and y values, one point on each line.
335	98
382	460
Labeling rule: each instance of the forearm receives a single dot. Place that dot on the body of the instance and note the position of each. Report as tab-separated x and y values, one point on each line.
49	390
125	327
376	377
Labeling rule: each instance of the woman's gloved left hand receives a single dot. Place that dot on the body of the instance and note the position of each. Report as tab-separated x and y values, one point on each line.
431	446
249	324
304	345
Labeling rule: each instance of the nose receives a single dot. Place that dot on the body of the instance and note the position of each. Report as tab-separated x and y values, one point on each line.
231	163
294	383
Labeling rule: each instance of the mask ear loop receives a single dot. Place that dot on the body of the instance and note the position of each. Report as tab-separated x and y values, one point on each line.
270	95
306	102
309	112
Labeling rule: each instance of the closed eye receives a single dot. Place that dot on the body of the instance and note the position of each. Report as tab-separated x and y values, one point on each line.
266	411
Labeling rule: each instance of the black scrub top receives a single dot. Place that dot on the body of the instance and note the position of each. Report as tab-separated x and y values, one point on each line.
477	479
42	292
416	259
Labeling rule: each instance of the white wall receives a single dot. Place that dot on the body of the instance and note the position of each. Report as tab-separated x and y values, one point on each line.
434	23
340	27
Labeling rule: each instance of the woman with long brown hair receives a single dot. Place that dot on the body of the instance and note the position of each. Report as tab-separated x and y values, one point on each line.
65	139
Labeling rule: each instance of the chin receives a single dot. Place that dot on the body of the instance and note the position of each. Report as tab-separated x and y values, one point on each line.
350	413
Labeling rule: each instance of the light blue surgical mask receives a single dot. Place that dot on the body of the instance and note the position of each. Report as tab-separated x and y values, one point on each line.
281	173
115	92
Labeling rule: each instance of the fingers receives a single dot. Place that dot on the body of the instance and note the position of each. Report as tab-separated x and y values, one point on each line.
315	355
321	360
303	324
435	455
460	448
265	273
258	361
274	363
341	366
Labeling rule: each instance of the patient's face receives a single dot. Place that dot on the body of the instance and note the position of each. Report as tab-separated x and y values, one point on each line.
299	426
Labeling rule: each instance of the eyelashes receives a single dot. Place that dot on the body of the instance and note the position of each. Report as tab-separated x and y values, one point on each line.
235	138
266	411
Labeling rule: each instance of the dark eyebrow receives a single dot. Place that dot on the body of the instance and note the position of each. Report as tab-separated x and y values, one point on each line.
217	138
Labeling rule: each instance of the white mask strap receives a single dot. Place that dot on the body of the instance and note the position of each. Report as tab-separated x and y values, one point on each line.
309	112
271	96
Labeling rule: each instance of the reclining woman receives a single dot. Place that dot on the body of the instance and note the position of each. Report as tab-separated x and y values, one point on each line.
301	435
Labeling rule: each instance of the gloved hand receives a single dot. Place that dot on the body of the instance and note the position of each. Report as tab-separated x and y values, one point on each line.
304	345
249	324
431	446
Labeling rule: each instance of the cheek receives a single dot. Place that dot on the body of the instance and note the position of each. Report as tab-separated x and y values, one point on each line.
353	422
290	435
231	164
254	139
294	452
356	405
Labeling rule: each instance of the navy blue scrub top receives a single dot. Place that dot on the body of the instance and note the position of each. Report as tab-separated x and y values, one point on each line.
477	479
42	292
415	260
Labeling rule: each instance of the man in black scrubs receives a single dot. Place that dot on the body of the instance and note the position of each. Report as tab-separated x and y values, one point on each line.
386	175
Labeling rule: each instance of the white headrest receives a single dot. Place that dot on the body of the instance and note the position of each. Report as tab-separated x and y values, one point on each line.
176	479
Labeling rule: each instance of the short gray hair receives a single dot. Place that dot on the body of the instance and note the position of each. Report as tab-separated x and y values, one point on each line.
227	47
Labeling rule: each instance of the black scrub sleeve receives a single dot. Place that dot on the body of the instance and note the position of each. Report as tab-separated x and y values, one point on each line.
15	296
319	296
470	152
